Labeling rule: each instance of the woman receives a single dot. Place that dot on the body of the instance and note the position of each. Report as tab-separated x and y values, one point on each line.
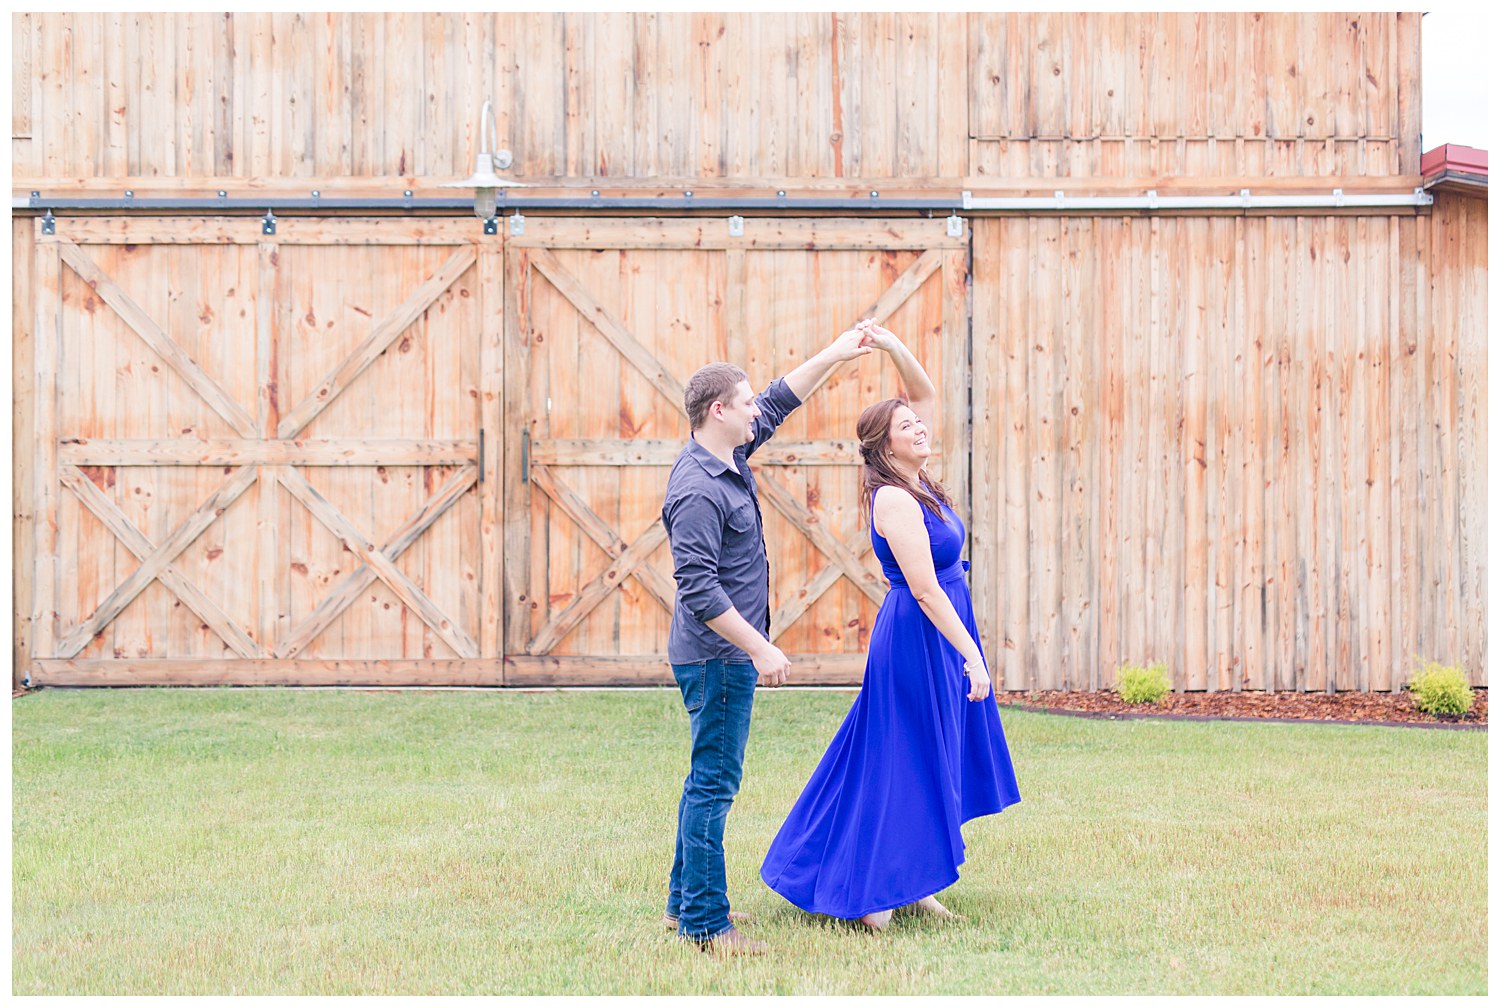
921	751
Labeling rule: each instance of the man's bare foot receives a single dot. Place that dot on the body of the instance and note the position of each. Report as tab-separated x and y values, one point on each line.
876	921
929	905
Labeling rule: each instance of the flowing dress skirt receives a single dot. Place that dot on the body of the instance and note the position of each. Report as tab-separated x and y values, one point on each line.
878	824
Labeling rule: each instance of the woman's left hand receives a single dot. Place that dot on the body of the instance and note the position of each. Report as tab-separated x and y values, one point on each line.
979	683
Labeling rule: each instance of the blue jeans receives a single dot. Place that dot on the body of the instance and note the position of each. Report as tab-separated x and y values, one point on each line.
718	697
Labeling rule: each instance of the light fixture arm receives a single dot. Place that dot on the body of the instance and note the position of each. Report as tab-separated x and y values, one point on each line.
501	159
487	161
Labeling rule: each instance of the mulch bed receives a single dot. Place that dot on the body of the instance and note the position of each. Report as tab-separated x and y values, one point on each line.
1353	708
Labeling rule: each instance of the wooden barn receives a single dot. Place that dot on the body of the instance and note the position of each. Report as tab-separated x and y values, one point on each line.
287	410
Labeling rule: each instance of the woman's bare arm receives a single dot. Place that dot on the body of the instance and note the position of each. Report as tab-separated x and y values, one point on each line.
898	518
921	395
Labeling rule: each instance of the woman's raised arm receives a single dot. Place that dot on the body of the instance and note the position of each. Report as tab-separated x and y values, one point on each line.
921	396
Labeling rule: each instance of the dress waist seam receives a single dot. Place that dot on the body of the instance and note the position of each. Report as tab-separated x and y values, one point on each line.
950	573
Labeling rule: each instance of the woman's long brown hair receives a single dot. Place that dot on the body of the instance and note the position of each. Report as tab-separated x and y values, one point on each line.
874	432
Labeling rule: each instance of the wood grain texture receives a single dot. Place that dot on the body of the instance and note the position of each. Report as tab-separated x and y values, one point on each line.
857	95
1283	502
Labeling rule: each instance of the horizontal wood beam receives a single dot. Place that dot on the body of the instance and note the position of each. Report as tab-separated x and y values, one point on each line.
663	452
246	451
427	187
765	233
654	670
246	230
271	672
522	671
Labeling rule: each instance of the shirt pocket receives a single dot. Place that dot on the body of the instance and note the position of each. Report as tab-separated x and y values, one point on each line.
742	519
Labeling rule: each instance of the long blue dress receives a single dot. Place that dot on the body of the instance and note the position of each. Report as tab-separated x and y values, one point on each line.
878	824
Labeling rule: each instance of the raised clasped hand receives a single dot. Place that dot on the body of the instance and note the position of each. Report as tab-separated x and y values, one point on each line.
851	344
872	334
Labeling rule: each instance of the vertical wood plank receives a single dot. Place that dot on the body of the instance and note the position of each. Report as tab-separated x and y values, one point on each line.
494	519
270	563
440	123
1075	388
401	101
194	87
1408	92
1402	485
1191	458
46	342
516	557
1250	381
1224	358
53	127
260	110
1472	381
85	97
1374	75
987	487
1109	465
1346	288
1006	256
1158	558
1045	468
21	75
332	99
24	416
225	136
948	52
1379	620
954	341
1436	337
707	90
1168	363
295	142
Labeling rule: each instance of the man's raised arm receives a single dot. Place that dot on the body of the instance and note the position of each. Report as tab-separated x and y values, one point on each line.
807	376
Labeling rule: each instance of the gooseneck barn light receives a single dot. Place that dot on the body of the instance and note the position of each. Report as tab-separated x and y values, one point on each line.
487	162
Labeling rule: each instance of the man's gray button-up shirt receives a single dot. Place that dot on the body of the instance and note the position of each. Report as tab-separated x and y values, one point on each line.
713	522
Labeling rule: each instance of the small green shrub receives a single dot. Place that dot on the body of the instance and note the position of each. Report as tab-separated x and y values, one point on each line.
1441	689
1144	684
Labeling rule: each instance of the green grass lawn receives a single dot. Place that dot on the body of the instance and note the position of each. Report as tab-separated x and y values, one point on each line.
319	842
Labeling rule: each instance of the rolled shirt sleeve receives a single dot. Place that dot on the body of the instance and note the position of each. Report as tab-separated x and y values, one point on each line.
697	536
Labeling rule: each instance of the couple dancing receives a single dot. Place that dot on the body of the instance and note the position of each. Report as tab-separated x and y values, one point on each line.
920	752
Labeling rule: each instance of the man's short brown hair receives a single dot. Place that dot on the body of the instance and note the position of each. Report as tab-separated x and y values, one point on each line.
710	384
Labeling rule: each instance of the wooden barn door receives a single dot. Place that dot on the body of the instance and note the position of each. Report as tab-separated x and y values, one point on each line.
605	321
259	452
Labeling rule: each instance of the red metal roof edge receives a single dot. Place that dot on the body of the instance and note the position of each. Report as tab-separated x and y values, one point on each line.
1454	158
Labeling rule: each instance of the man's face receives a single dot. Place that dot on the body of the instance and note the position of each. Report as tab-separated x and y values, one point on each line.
740	411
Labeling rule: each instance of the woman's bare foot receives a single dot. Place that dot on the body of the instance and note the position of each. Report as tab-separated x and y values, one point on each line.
929	905
876	921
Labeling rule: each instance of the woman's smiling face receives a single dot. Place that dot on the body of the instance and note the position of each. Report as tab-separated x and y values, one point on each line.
907	439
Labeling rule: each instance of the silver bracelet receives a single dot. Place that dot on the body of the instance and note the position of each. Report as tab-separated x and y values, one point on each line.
971	667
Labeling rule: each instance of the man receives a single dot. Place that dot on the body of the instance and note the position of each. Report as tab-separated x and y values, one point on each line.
719	643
